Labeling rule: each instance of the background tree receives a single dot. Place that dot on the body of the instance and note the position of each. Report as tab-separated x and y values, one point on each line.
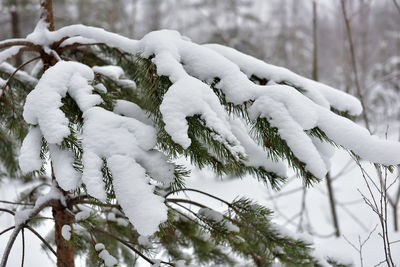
261	28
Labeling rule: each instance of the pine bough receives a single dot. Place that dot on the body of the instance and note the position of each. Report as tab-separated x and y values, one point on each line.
113	114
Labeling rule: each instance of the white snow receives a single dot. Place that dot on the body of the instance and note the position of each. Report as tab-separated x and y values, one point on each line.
257	156
112	72
77	40
43	103
144	241
99	246
132	110
211	214
82	215
67	177
144	209
320	93
29	158
231	227
22	216
66	232
20	74
108	259
9	52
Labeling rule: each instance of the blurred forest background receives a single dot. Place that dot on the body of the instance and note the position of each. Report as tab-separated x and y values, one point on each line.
279	32
308	37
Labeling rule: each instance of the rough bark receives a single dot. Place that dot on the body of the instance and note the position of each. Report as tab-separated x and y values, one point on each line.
64	249
46	13
61	216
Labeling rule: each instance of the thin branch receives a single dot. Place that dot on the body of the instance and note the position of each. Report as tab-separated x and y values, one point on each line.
19	42
6	230
15	71
200	192
7	210
23	247
16	203
46	244
181	200
76	45
126	243
35	211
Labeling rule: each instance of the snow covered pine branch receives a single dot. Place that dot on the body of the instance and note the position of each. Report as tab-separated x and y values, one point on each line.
113	115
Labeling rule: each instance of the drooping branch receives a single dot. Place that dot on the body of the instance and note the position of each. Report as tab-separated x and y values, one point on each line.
124	242
46	244
19	42
35	211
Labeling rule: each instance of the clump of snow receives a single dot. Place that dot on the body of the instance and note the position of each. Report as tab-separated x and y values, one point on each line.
82	215
256	155
100	87
99	246
320	93
120	221
112	72
231	227
20	75
108	259
144	241
66	232
77	40
43	104
211	214
22	216
144	209
9	52
29	158
67	177
132	110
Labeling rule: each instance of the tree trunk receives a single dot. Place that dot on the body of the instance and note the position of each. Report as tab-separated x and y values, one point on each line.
46	13
65	250
15	29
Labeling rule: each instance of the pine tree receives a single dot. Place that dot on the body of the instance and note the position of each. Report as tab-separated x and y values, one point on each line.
112	115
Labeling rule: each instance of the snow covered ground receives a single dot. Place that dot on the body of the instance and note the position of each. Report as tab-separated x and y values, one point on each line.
356	220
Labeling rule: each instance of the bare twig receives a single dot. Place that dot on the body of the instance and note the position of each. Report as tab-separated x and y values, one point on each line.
45	243
126	243
6	230
354	64
35	211
23	247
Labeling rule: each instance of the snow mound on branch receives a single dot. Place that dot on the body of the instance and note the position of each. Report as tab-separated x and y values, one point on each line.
29	158
320	93
256	155
112	72
127	145
43	104
191	68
